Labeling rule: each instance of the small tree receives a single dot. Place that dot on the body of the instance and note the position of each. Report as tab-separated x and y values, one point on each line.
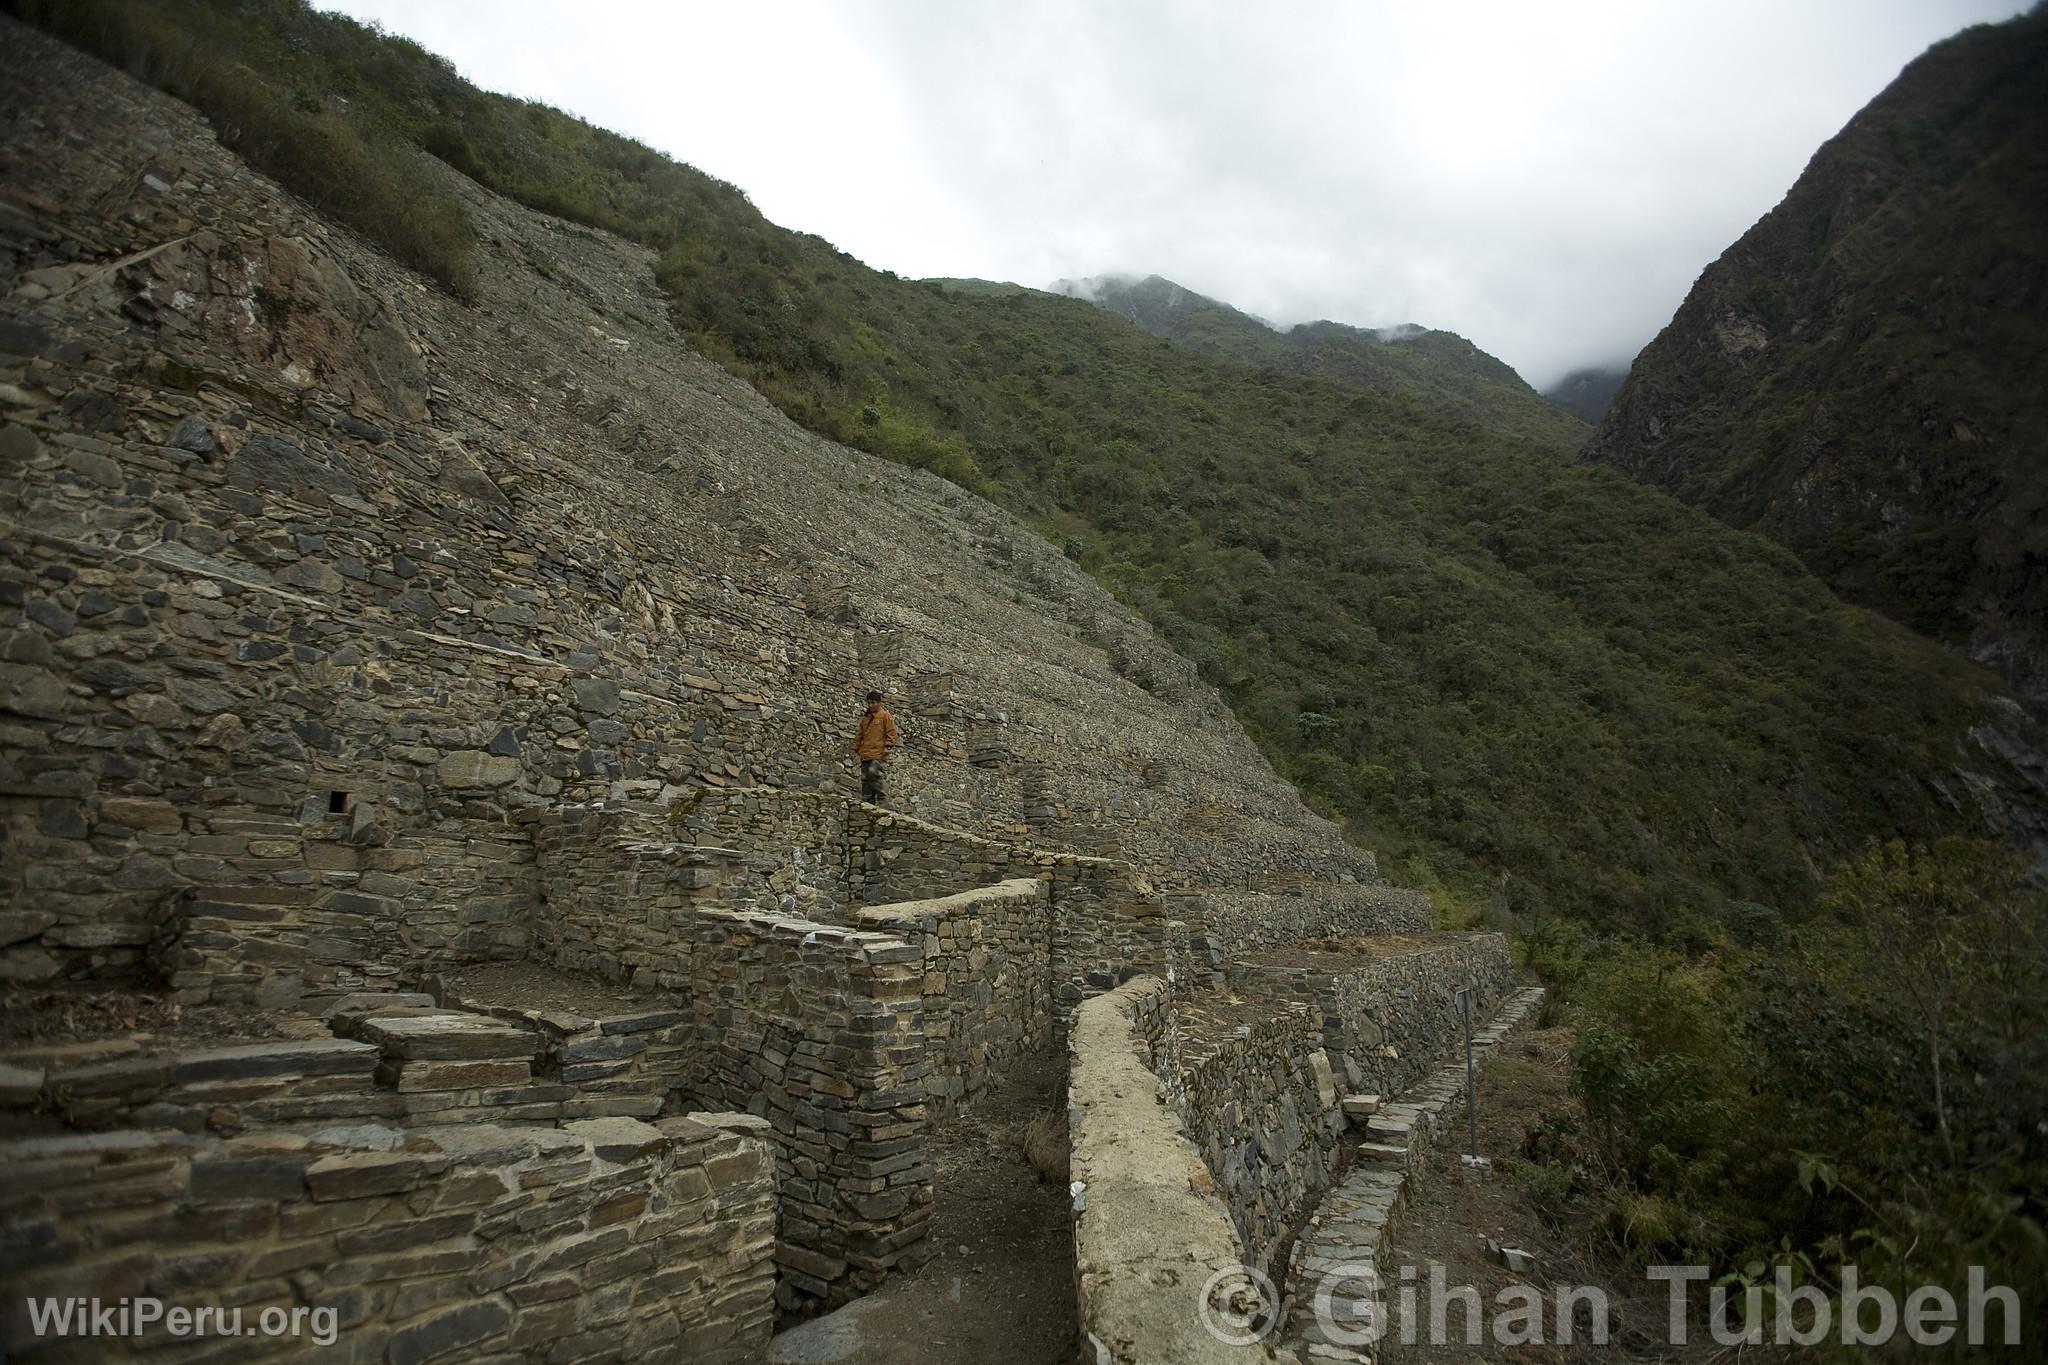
1955	932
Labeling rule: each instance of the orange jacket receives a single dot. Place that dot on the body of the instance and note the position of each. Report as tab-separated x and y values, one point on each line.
877	732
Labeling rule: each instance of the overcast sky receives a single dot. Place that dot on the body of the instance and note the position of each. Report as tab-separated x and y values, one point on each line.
1547	179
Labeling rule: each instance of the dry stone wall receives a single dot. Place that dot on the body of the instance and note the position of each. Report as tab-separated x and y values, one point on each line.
1388	1022
1108	924
819	1029
635	1061
601	1240
986	974
617	899
392	1057
1237	923
350	633
452	561
1150	1235
1261	1106
797	856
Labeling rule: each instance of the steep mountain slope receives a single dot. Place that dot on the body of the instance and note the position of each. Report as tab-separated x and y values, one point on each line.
1536	681
547	486
1587	394
1438	368
1864	375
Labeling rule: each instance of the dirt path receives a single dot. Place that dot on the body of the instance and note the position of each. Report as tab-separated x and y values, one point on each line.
1446	1217
1000	1287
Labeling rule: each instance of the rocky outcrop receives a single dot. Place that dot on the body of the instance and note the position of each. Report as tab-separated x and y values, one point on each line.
1861	376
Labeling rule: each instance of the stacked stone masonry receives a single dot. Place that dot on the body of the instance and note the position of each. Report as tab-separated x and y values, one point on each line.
1146	1219
600	1240
1387	1022
1260	1104
1238	923
985	969
820	1030
1346	1238
351	635
1205	1128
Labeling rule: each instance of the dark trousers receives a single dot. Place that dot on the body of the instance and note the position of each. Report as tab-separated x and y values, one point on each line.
871	780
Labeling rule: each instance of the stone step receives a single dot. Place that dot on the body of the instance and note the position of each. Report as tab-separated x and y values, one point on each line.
1359	1108
301	1057
1351	1223
447	1037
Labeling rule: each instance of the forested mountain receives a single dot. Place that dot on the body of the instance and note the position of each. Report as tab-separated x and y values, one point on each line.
1522	678
1863	376
1441	369
1587	393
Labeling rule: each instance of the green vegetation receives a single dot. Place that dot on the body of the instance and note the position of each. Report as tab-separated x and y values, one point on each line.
1561	701
1861	375
1588	393
1866	1087
349	168
1439	369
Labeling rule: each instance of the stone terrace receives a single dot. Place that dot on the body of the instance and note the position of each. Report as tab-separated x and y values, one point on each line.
356	637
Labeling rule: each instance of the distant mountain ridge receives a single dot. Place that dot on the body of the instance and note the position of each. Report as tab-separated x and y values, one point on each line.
1588	393
1863	376
1422	363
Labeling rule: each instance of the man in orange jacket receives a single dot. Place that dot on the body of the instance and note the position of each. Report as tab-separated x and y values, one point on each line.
871	744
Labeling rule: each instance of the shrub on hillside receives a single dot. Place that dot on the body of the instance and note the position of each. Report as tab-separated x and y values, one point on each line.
372	184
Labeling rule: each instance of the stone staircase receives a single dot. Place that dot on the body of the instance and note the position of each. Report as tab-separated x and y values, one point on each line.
1347	1234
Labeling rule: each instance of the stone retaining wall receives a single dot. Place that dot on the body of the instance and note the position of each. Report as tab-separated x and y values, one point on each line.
794	846
333	916
1241	923
635	1061
617	900
1260	1105
987	976
819	1029
1149	1229
1387	1023
394	1057
1108	923
605	1240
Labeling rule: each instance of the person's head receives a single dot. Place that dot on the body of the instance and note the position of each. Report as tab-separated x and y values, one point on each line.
874	700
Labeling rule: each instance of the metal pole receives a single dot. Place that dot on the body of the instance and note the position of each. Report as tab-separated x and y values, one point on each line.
1471	1090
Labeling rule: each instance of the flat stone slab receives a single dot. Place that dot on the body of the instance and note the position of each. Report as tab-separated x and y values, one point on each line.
418	1076
369	1002
617	1139
642	1023
305	1057
830	1338
19	1085
448	1038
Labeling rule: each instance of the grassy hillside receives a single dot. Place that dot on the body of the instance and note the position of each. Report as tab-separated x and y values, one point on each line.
1533	682
1863	376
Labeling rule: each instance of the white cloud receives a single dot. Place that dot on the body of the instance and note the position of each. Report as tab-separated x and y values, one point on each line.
1546	179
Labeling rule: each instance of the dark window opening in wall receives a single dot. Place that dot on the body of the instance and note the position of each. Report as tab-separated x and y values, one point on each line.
337	803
